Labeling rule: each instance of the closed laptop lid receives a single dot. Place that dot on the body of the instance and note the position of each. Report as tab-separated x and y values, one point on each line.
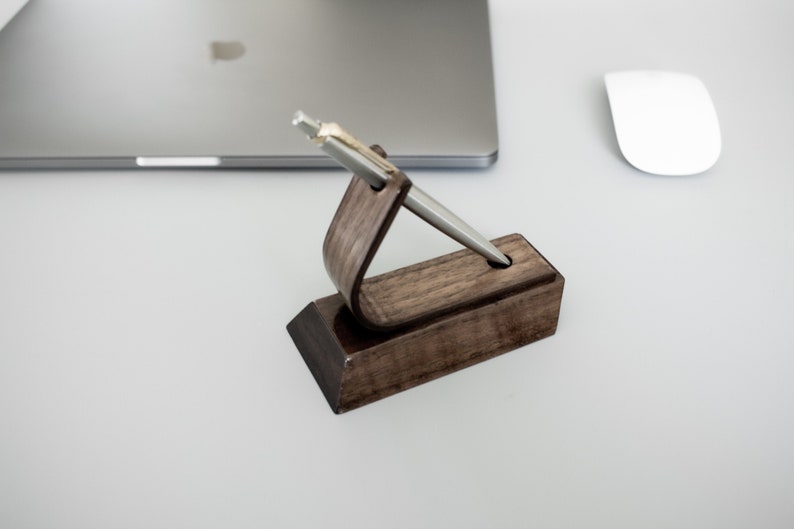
99	83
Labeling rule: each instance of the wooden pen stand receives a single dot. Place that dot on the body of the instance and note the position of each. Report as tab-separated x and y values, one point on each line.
394	331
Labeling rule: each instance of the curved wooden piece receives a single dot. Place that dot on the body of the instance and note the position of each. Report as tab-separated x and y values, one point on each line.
361	221
458	281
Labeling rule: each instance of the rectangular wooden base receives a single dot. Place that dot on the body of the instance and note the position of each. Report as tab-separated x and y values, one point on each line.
355	366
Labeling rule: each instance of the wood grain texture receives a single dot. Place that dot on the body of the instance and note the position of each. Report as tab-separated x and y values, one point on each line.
356	232
376	364
449	283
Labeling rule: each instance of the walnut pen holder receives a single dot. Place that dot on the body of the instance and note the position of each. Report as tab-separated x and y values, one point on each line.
384	334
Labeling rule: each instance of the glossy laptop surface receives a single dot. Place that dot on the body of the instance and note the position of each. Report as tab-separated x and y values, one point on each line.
129	83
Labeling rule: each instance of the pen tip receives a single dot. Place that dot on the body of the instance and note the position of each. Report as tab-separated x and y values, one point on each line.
306	124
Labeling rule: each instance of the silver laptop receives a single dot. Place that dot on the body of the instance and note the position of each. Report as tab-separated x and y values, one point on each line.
187	83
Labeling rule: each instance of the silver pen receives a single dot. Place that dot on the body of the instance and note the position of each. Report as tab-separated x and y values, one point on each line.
369	165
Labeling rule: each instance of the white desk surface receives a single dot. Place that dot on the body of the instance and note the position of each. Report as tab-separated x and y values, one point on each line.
147	379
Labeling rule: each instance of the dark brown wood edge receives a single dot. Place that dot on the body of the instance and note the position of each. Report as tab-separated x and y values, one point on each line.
318	344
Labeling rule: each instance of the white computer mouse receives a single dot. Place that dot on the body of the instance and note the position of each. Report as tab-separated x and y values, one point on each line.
665	122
